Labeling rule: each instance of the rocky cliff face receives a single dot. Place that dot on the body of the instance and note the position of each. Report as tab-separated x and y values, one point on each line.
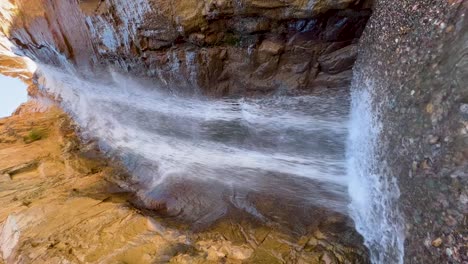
222	47
416	75
218	48
60	205
244	47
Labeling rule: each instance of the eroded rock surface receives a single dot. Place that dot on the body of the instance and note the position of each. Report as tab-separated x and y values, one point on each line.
220	47
60	205
417	75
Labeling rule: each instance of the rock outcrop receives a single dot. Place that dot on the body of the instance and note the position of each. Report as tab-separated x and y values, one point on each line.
60	205
220	48
413	62
415	54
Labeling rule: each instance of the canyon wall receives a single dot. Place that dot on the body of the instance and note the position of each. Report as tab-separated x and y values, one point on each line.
413	64
412	58
220	48
60	204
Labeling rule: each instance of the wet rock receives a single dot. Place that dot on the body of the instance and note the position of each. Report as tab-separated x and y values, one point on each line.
197	39
338	61
346	25
342	79
271	47
419	70
155	44
153	38
267	69
251	25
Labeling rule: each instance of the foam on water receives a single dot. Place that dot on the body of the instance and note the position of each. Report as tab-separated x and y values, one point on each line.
374	193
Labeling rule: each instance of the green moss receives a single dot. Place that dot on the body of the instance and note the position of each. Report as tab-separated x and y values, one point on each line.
34	135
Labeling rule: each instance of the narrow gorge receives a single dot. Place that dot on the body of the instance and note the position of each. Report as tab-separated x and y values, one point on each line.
235	131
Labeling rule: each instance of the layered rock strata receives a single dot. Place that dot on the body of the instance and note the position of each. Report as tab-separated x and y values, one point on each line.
218	47
60	205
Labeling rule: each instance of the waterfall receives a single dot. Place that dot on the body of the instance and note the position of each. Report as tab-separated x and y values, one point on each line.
374	193
253	145
289	146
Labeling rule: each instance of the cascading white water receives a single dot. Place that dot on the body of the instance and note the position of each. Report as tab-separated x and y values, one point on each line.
374	193
245	143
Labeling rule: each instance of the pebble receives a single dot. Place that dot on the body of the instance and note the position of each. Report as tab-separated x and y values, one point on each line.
450	28
464	199
437	242
450	221
433	139
429	108
464	110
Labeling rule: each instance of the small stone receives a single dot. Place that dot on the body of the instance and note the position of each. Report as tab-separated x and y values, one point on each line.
313	242
449	252
425	165
326	259
429	108
464	199
450	221
241	253
433	139
197	39
450	28
223	54
464	110
437	242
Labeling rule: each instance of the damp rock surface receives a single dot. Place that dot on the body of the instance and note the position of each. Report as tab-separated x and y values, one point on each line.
414	56
69	208
221	48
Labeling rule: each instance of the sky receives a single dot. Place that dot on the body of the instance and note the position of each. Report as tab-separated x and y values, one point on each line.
12	94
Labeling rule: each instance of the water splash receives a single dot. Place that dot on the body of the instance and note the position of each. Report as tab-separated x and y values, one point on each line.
130	17
243	143
374	193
